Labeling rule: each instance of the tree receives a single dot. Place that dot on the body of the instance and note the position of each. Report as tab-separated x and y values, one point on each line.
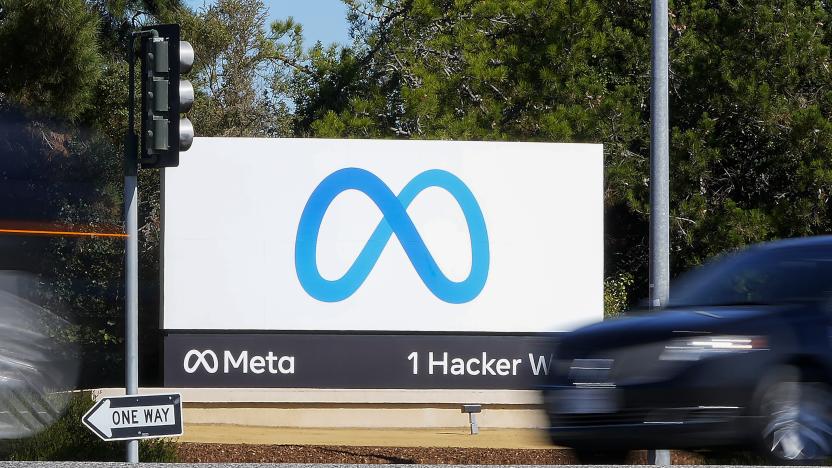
235	71
750	106
751	132
49	61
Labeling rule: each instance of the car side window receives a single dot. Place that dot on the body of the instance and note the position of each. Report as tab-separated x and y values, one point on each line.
764	276
803	275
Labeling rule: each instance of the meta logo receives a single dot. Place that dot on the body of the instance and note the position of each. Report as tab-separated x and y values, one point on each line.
395	221
208	361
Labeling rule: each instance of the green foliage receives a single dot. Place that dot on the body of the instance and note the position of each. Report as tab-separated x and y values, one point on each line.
615	294
68	440
49	59
751	133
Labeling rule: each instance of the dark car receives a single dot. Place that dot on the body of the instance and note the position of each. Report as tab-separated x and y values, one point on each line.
740	357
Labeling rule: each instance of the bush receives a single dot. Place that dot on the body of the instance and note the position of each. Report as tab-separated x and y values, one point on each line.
615	294
69	440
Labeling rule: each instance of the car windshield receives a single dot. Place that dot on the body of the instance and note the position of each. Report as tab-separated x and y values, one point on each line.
756	276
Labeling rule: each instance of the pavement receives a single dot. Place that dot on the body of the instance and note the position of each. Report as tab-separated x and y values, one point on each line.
434	437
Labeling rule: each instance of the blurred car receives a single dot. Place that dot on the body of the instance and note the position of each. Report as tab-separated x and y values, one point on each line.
740	357
38	363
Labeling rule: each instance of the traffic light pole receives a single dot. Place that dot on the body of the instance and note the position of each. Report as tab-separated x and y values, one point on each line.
131	206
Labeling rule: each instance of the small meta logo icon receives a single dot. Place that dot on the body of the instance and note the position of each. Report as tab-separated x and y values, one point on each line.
194	359
395	221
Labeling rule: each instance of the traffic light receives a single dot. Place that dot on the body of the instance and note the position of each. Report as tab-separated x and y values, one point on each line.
164	96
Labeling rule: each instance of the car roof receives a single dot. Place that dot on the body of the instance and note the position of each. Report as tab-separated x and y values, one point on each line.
812	241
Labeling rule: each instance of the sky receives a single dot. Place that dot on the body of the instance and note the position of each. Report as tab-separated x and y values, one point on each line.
322	20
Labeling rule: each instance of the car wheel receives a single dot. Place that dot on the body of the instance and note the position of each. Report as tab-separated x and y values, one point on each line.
796	419
601	457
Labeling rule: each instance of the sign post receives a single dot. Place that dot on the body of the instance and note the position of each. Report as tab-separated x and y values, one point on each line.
136	417
659	177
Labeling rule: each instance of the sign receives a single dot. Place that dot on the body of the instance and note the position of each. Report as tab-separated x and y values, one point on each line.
136	417
251	360
429	237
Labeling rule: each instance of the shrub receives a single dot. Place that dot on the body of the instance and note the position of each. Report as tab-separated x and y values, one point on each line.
615	294
69	440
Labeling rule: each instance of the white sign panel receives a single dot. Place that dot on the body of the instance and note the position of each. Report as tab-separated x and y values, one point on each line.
314	234
136	417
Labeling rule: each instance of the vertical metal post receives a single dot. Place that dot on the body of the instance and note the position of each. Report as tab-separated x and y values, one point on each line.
131	205
659	176
132	300
131	227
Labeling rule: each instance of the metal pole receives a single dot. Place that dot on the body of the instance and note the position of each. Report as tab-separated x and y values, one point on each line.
132	297
131	199
659	177
131	226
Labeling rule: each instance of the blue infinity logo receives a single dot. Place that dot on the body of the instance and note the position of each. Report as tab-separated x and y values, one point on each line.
396	220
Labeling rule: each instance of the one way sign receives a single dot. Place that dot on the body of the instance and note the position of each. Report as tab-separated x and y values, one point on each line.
136	417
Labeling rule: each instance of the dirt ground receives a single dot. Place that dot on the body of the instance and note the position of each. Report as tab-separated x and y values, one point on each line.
347	454
248	444
398	437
